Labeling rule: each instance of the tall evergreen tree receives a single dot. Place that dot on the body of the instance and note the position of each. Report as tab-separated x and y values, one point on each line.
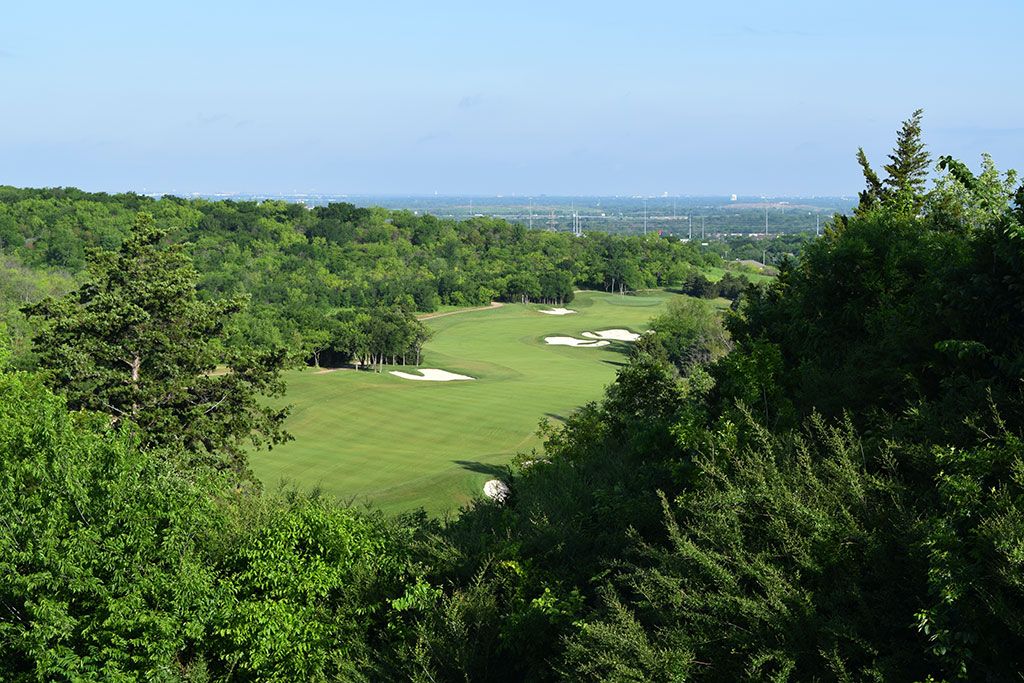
874	192
908	165
137	343
904	185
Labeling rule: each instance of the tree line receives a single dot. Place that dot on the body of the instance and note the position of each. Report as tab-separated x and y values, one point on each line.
305	273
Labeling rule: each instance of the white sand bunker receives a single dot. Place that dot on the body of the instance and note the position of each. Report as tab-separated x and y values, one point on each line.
558	311
431	375
573	341
617	335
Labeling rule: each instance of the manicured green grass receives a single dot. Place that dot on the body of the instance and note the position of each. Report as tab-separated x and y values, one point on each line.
402	444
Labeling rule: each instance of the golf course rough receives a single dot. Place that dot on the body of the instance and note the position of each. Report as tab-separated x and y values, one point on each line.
368	437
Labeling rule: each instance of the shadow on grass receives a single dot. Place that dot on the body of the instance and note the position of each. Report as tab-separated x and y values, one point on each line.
625	348
482	467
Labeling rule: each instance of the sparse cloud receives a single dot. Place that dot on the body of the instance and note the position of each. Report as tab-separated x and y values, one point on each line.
210	119
6	54
471	101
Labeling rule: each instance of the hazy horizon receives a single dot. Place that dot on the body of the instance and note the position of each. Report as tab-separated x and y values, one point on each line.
461	99
519	197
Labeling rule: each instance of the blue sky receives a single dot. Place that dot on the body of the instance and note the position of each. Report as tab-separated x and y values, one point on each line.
498	98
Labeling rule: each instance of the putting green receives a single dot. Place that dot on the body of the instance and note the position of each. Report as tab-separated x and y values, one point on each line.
403	444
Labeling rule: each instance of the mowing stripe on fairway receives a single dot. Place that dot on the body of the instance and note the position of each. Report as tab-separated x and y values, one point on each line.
364	436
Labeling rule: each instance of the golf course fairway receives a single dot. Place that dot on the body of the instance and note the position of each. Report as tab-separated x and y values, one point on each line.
400	444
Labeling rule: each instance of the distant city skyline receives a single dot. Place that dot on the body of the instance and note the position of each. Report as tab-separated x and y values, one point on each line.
507	197
475	99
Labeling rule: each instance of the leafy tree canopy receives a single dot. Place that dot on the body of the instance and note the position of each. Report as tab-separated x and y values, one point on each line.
137	343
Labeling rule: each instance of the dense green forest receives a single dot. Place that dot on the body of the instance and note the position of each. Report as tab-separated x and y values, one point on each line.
827	486
334	278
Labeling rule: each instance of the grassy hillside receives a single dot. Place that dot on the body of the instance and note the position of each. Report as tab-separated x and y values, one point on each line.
402	444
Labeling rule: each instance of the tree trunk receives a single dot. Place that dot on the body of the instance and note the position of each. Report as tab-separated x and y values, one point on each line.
135	365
